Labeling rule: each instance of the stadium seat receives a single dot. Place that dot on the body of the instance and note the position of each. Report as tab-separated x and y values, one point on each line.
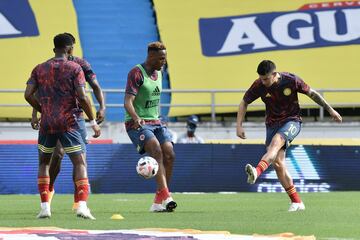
114	37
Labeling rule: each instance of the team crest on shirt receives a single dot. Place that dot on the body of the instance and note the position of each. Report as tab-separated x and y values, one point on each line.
142	137
287	91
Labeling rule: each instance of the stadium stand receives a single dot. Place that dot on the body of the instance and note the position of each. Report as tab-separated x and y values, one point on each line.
114	36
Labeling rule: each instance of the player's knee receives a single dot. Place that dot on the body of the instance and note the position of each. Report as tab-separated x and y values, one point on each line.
59	154
169	156
78	160
156	153
278	165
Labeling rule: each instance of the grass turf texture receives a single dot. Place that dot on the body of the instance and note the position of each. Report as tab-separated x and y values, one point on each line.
327	215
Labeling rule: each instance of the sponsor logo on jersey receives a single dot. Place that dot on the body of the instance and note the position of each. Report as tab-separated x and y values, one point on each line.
156	92
312	26
17	19
152	103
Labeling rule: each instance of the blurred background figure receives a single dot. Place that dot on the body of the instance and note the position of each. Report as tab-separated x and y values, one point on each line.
165	122
189	136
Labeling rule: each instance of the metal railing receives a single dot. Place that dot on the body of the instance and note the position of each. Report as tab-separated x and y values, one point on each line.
212	105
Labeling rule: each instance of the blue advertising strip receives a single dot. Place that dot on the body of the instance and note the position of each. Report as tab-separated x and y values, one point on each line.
273	31
198	168
17	19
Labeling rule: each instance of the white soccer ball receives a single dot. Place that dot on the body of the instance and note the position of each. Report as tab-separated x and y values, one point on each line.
147	167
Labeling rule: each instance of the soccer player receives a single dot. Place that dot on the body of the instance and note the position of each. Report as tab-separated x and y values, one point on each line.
60	87
279	91
142	122
58	154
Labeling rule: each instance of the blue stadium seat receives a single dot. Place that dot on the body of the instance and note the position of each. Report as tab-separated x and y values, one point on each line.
114	36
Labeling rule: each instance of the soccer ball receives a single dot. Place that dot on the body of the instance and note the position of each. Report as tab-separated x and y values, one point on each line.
147	167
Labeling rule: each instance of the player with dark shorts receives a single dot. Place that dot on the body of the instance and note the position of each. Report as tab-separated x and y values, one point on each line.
60	87
58	154
279	91
143	125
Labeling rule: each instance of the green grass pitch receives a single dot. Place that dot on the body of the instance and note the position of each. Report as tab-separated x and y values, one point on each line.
327	215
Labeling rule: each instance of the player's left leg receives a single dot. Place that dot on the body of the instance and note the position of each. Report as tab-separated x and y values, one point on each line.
145	140
167	146
83	132
168	158
55	166
153	148
165	139
287	182
74	147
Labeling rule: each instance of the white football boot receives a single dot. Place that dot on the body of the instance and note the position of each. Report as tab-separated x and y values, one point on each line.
157	207
169	204
84	212
252	173
296	207
45	211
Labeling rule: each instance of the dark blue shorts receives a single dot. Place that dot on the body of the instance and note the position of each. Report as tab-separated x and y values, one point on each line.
288	131
72	142
140	136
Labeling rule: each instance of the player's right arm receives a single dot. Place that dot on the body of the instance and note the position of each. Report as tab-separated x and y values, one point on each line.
29	96
133	84
240	132
250	95
31	87
129	107
35	121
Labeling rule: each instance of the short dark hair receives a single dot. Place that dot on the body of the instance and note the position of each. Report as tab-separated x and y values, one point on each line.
72	36
62	40
266	67
156	46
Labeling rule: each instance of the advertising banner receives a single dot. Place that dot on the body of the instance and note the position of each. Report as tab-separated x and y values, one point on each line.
218	45
27	29
209	168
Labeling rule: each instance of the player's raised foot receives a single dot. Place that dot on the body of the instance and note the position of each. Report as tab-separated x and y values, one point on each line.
44	213
157	207
169	204
51	195
75	206
251	172
296	207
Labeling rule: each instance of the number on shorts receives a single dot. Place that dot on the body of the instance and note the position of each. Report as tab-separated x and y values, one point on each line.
292	129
